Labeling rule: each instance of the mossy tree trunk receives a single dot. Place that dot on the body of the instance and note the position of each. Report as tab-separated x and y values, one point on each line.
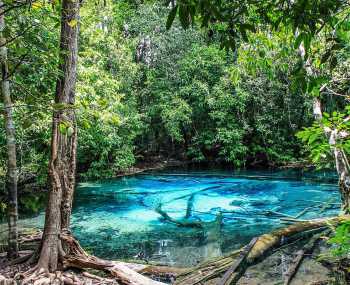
11	176
63	142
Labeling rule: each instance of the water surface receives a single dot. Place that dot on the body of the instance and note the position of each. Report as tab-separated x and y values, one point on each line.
119	219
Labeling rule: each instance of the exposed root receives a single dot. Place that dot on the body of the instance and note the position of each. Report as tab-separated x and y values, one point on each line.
78	258
42	277
73	256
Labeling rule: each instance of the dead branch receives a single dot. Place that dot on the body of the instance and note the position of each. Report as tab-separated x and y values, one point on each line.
232	273
189	209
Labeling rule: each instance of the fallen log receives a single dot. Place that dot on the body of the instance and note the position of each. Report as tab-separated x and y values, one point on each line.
262	248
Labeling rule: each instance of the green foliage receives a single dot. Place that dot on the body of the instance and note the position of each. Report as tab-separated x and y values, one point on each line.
190	100
318	144
341	239
32	203
233	19
107	114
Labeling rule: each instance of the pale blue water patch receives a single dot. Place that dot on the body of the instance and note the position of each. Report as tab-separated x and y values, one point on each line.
118	218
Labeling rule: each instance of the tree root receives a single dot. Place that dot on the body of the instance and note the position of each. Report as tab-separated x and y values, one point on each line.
73	256
262	248
41	277
78	258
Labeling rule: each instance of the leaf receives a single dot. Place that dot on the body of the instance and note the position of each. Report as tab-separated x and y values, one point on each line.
62	128
37	5
313	138
307	43
72	23
171	17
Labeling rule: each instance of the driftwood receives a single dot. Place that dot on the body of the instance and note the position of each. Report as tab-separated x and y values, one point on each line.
300	256
194	193
230	275
292	220
264	245
303	212
327	205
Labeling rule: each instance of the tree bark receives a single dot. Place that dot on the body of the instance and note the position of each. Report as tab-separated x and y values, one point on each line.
11	176
63	142
342	166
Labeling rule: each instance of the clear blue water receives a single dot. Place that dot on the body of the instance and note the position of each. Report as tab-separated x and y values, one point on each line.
118	218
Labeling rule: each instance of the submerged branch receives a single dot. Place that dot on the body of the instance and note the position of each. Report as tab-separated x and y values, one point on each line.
181	223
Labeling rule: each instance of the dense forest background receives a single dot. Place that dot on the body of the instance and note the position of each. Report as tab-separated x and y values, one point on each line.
146	93
241	84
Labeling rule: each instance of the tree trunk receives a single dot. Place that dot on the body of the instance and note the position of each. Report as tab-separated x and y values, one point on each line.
342	166
11	176
63	142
